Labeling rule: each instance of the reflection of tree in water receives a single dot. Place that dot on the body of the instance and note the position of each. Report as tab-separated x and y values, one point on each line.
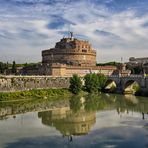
143	116
75	103
89	103
130	103
123	104
19	107
94	103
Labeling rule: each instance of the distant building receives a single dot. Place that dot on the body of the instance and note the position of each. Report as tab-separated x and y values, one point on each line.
145	67
142	63
138	61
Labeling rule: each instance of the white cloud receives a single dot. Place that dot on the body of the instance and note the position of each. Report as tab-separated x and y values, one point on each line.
24	31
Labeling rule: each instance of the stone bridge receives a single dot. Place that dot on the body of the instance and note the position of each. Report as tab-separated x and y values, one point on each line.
125	83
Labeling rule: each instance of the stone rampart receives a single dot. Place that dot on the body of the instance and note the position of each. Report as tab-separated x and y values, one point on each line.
20	83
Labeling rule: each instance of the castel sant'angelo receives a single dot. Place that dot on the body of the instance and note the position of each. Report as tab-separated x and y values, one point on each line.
72	56
70	51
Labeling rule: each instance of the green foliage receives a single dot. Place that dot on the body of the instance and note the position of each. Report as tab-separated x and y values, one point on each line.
102	79
13	66
136	89
91	83
94	82
3	67
108	64
75	84
30	65
35	93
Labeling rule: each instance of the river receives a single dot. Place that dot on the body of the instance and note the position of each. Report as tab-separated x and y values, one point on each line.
104	121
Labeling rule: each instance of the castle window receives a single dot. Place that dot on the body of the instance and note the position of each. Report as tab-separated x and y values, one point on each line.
84	50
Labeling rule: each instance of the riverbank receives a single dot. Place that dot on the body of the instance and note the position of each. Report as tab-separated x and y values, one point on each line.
35	93
43	94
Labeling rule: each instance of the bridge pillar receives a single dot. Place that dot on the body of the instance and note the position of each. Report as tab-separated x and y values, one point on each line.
120	85
143	83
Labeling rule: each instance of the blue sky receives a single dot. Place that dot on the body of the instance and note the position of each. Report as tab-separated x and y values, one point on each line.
115	28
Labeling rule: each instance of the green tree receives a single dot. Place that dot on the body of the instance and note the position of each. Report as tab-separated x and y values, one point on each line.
14	68
94	82
91	83
75	84
102	79
3	67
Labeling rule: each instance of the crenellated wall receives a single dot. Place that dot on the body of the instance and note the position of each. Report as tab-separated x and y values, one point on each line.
20	83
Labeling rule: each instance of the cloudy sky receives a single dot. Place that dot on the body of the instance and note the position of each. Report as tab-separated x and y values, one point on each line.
116	28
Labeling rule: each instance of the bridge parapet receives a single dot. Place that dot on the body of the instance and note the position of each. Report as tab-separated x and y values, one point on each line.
129	76
121	81
135	76
114	76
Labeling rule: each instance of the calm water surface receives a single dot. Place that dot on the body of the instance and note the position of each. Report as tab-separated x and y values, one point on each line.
105	121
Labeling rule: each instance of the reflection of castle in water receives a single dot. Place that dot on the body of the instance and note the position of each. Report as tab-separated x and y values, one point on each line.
76	107
68	122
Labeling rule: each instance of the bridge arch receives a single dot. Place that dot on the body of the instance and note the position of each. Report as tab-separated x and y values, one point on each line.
131	87
111	85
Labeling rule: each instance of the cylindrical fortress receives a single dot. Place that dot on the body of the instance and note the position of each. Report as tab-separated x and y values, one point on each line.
70	51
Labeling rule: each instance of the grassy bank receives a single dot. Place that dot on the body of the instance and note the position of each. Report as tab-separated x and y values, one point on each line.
35	93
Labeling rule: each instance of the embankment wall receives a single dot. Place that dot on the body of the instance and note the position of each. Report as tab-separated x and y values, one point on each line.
21	83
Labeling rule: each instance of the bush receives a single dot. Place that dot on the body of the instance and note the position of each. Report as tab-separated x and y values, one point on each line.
94	82
75	84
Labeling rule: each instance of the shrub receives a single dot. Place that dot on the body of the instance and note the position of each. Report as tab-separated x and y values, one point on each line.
91	83
75	84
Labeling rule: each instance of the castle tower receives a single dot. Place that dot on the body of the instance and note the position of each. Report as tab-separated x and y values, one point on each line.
70	51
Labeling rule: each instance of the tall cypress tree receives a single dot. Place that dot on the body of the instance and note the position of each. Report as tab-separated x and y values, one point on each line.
14	68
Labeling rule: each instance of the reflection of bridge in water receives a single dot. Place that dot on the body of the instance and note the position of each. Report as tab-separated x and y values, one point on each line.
128	84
